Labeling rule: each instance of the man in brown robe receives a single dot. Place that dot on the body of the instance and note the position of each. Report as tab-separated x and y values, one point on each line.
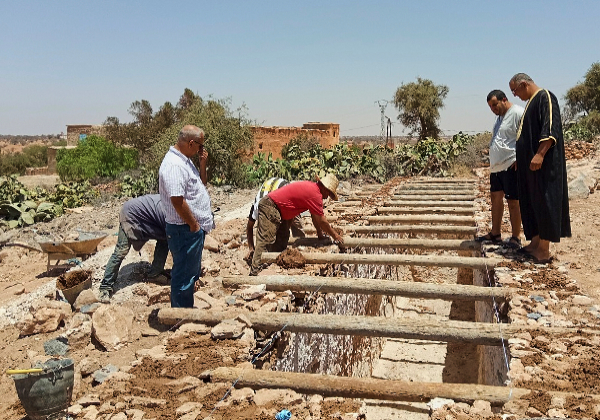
541	169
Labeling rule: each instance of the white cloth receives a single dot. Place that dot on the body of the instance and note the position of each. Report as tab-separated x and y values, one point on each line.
269	185
178	177
504	139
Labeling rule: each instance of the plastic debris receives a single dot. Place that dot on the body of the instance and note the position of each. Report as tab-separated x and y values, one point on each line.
283	415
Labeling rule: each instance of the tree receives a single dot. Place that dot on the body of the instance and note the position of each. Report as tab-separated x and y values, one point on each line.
419	106
584	98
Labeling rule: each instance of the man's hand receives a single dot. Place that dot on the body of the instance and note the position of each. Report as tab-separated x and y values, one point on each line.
195	228
536	162
338	239
204	155
248	258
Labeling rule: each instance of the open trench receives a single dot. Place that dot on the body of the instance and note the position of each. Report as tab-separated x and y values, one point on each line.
403	359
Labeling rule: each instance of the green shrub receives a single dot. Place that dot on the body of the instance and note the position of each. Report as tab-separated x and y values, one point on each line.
139	183
33	156
428	157
228	140
20	206
578	132
94	157
476	153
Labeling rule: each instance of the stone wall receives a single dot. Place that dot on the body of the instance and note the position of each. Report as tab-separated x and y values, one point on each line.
52	151
272	139
74	132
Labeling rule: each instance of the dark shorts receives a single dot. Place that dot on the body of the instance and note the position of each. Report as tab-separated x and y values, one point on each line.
505	181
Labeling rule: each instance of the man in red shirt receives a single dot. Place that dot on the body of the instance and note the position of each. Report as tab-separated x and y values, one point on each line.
282	205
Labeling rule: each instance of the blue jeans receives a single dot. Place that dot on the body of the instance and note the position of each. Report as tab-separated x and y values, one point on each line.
161	251
186	248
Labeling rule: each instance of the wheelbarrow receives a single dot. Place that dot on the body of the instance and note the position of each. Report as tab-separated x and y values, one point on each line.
85	246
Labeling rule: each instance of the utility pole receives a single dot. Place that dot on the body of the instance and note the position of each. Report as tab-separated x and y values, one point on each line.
382	104
388	134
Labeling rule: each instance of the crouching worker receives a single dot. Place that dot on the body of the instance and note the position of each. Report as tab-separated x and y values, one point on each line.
268	186
280	207
141	219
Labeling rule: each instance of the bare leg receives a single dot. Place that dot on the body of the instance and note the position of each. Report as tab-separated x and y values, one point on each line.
515	217
533	245
542	250
497	211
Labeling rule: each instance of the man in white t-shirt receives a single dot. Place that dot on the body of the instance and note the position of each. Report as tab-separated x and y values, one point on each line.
503	171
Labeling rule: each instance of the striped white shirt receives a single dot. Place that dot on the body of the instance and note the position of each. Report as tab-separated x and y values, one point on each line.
178	177
269	185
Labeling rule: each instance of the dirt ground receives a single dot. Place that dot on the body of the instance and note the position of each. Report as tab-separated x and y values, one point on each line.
23	271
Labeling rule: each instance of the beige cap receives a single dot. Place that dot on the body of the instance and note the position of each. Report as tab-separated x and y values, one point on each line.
330	182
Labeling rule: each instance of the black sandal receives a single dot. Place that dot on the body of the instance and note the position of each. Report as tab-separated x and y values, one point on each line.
514	242
495	239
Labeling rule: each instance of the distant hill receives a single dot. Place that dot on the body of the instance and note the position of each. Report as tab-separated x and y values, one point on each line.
22	139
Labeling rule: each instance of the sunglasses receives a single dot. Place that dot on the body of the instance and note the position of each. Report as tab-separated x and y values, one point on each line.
199	144
514	91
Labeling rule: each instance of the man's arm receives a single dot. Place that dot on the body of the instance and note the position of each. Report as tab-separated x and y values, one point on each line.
323	224
250	234
184	211
203	160
538	158
317	225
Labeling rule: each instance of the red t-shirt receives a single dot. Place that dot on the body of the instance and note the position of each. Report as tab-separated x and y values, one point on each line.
298	197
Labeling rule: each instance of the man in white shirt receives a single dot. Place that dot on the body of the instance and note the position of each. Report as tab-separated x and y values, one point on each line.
503	171
188	212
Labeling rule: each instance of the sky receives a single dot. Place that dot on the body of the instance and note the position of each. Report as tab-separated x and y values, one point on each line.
289	62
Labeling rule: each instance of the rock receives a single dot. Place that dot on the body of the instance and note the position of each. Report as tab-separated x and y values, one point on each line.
74	410
251	292
88	400
106	408
211	267
283	397
211	244
112	326
158	294
91	413
557	347
269	307
86	297
79	330
187	407
201	296
559	413
436	403
578	188
229	328
88	365
243	394
104	373
187	383
558	402
135	414
44	317
90	309
56	347
581	300
145	401
230	300
482	408
233	245
532	412
192	328
119	416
